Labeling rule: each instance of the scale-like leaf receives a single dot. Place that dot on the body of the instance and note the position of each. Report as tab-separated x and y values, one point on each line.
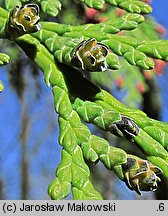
51	7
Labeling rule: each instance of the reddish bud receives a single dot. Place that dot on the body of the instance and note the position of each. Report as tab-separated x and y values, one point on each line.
147	1
159	66
160	29
103	19
119	12
121	33
91	13
119	82
140	87
147	74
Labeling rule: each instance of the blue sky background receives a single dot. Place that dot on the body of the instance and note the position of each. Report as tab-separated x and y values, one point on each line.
42	147
160	14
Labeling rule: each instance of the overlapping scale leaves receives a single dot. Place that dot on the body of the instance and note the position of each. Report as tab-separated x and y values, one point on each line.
131	6
120	45
51	10
45	5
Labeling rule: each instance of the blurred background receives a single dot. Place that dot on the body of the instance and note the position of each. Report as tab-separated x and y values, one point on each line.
29	149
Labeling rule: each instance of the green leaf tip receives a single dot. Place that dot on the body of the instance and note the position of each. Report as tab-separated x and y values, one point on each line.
97	4
59	189
87	192
1	86
4	59
51	7
10	4
131	6
156	49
